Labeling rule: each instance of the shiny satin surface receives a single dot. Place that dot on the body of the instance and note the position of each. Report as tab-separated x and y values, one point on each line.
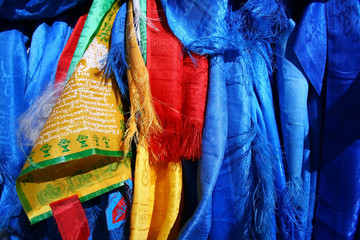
43	57
144	194
211	14
213	148
310	44
35	9
251	165
13	70
157	186
293	90
337	208
25	72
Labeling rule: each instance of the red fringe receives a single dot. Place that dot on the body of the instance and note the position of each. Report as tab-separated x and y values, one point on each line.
182	140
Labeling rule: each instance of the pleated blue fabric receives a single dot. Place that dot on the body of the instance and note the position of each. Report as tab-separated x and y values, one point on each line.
47	43
338	202
13	67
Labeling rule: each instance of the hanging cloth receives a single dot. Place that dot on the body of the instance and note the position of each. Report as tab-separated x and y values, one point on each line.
143	22
213	149
80	149
68	52
243	33
178	86
338	198
293	91
70	218
13	71
35	10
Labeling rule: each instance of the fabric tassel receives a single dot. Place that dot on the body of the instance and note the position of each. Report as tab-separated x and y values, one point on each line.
143	119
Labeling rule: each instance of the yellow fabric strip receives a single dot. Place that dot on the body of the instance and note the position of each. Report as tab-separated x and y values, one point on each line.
168	191
174	188
144	192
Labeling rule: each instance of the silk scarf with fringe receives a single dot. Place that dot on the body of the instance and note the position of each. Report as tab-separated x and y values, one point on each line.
178	84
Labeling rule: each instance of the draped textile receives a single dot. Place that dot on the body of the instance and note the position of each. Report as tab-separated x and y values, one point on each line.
213	148
248	162
253	146
13	67
178	87
87	150
157	196
43	57
37	67
116	59
70	218
337	206
68	52
34	9
143	22
310	45
143	121
293	91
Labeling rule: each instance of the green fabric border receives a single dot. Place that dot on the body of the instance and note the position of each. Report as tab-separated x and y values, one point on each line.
25	203
41	217
73	156
82	199
143	42
96	15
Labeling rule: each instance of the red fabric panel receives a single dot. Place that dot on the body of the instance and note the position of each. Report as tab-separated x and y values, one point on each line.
178	87
69	50
70	218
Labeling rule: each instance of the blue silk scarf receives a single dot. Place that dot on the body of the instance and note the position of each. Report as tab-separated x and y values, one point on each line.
13	67
35	9
338	202
293	91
